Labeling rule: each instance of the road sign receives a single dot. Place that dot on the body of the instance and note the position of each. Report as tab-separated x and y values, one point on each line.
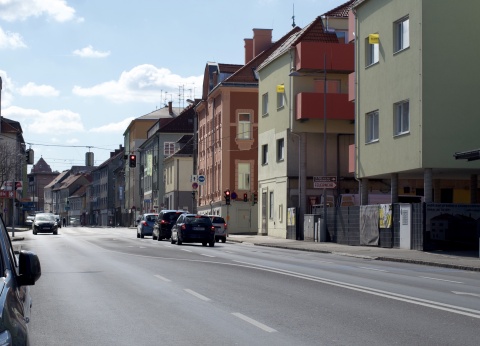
325	182
201	180
194	186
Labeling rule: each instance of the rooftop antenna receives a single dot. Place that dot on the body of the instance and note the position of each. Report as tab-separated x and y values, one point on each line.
293	17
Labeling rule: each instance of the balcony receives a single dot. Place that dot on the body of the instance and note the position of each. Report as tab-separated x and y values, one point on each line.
310	106
339	57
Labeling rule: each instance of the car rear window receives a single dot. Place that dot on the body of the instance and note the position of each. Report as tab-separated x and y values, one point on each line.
198	220
150	217
172	217
218	220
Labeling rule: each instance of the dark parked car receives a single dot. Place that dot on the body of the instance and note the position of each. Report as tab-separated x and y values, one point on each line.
145	225
193	228
44	223
15	300
165	221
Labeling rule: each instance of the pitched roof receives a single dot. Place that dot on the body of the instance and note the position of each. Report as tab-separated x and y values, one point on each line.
181	124
341	11
246	73
313	32
58	179
41	167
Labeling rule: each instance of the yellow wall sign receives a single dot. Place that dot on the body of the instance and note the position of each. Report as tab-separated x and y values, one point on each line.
280	88
373	38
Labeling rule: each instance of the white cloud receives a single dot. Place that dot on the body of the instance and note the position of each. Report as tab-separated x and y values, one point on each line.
32	89
113	127
55	122
89	52
143	83
11	40
7	86
12	10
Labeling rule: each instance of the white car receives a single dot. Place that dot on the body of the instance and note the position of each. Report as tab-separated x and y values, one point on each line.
59	220
220	228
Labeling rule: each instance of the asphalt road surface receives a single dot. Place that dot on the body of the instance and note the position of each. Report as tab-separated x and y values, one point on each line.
106	287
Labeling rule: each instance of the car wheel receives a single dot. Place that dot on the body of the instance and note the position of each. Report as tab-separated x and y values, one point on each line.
55	232
34	233
211	244
138	235
224	239
172	241
142	236
204	244
179	242
154	237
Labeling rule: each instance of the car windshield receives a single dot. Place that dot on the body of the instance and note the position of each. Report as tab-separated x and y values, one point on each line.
44	218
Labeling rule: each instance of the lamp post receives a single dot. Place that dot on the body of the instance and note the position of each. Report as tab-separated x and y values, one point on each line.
324	223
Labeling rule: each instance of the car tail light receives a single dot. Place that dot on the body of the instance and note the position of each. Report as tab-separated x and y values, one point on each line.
225	226
184	227
144	223
164	222
212	229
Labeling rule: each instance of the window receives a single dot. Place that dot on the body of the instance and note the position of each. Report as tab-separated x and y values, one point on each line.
372	127
402	117
168	148
244	176
280	99
244	125
372	53
271	211
265	104
280	149
265	154
402	34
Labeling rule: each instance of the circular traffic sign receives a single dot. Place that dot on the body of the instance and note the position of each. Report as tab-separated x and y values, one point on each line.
201	179
194	186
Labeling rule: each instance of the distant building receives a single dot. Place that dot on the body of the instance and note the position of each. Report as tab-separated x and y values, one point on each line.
40	176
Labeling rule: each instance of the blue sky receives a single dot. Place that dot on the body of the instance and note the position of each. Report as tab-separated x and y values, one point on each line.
76	72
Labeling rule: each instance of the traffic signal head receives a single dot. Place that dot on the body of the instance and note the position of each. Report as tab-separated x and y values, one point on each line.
255	200
245	197
132	160
29	156
227	196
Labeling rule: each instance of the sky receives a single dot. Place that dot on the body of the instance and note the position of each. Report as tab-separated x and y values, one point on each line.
76	72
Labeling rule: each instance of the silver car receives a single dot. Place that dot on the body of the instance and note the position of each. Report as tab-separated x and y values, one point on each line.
220	228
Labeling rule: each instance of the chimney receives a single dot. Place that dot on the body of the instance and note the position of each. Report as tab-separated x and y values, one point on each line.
170	110
248	49
262	39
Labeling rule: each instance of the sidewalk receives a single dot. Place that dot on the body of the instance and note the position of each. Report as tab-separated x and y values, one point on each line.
466	260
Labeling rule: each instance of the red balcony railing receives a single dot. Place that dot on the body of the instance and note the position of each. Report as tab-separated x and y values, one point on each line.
339	57
310	106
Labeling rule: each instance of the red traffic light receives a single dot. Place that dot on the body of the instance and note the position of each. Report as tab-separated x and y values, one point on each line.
227	193
133	161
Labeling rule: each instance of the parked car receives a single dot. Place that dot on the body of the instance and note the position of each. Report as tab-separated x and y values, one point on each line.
58	220
220	227
193	228
145	225
18	270
29	220
165	221
44	223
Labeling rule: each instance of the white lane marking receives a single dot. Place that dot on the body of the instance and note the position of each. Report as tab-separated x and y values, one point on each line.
162	278
207	255
186	250
426	277
466	294
323	262
377	270
198	295
142	247
255	323
385	294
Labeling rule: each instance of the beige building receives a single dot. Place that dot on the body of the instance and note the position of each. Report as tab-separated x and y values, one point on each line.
306	123
415	105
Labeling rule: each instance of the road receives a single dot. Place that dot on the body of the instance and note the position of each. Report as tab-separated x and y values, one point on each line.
106	287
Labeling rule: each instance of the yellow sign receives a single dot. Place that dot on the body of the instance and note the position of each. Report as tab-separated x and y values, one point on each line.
280	88
373	38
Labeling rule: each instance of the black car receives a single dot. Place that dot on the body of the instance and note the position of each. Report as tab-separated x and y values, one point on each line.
193	228
165	221
44	223
17	272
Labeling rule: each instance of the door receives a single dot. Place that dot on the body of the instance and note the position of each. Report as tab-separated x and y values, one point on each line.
264	214
405	226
